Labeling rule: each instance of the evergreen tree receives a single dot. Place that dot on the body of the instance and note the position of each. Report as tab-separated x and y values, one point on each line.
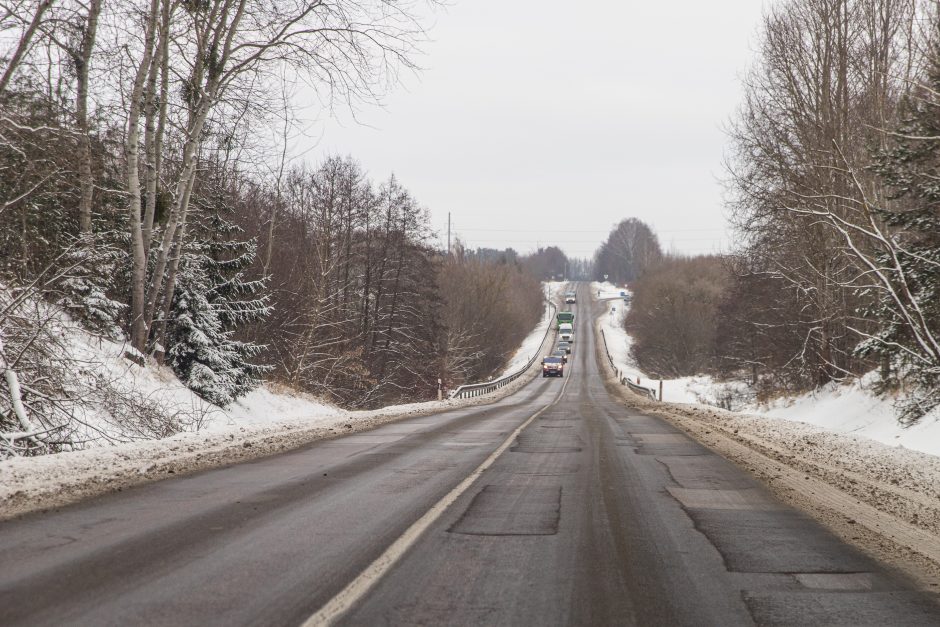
909	311
89	268
212	298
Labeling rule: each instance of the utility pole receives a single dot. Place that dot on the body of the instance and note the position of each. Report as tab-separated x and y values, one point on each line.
448	233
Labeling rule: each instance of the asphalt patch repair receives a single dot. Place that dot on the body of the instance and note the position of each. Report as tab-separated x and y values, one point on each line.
511	511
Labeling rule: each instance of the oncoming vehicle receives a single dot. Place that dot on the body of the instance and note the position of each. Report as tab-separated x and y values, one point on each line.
553	367
564	317
566	333
561	353
565	346
570	298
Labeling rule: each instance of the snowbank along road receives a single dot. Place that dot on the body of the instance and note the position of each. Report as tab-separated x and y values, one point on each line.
557	505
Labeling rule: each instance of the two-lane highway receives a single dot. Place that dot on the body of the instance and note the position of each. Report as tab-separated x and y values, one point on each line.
592	514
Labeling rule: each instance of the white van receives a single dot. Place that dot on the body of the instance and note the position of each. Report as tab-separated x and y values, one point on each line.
565	333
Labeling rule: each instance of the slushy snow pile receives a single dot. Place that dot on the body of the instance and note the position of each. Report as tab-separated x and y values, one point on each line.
848	408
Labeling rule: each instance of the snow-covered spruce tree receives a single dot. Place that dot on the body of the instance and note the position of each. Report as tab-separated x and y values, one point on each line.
212	297
88	283
908	263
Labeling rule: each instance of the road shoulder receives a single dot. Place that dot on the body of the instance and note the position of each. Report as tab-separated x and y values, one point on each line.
882	500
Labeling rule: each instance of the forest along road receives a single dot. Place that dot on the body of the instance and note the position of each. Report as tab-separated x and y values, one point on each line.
591	514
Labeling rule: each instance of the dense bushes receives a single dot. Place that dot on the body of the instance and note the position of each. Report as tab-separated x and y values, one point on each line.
674	314
488	309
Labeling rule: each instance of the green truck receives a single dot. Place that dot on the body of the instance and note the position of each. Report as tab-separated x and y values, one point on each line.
564	317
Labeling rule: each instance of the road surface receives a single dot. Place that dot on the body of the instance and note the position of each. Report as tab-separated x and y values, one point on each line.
593	515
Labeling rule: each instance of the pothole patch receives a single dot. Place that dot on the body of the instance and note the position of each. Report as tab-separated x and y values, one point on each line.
499	510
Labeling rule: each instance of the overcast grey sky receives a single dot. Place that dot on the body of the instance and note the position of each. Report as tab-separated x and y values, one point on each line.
546	122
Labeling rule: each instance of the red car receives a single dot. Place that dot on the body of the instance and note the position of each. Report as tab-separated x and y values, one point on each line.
553	367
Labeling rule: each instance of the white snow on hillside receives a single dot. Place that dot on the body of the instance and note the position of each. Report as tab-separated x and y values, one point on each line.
269	404
850	408
160	386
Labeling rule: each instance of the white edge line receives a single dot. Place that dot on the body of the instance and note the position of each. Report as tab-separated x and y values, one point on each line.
358	587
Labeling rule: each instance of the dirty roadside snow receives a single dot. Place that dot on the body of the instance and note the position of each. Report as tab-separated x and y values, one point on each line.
33	483
883	499
851	408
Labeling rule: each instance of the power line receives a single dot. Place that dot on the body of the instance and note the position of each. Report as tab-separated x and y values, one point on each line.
561	242
603	231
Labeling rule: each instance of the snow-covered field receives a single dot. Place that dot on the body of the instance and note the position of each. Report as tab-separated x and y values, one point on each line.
848	409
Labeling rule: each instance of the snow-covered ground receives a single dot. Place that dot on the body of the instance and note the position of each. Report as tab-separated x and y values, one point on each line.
852	408
30	483
848	409
160	387
532	343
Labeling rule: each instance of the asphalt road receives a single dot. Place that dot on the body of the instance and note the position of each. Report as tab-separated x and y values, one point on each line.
593	515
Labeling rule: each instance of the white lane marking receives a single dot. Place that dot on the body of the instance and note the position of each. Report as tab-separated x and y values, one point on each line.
358	587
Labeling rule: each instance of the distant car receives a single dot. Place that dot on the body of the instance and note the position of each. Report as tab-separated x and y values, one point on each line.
561	353
565	346
570	298
553	367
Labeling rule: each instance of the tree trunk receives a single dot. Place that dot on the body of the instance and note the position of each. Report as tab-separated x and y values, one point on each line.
139	324
82	61
203	105
23	44
155	130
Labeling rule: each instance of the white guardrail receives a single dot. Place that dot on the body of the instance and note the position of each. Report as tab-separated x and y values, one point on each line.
479	389
639	389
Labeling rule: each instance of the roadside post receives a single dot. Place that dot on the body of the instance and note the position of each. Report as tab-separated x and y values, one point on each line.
660	390
440	389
